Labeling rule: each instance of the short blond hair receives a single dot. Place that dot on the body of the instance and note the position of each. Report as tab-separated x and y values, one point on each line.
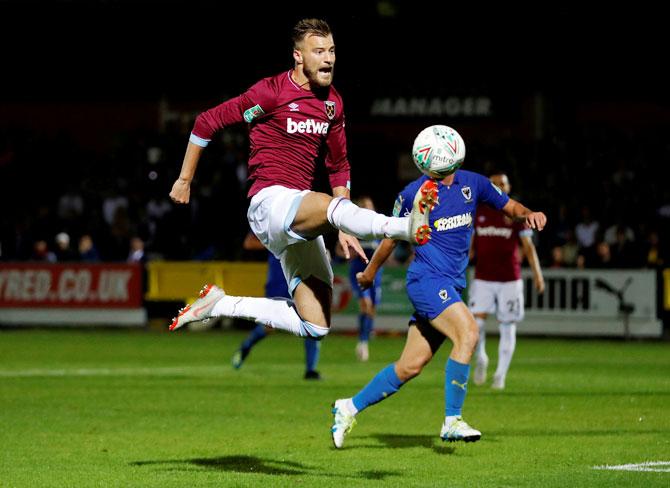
305	27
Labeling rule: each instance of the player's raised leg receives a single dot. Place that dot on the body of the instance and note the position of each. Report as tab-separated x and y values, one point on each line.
278	313
319	212
305	265
310	278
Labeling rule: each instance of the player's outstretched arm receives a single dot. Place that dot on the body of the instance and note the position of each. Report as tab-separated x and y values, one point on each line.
181	190
516	211
382	253
531	254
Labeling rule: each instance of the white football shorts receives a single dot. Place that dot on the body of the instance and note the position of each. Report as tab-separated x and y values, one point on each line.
504	298
270	215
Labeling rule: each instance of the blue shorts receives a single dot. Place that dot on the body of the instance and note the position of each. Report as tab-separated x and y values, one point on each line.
374	293
276	286
432	295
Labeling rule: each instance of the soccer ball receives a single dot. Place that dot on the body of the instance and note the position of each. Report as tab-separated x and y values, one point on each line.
438	151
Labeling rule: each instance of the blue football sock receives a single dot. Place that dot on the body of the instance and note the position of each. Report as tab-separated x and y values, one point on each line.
257	333
365	326
312	350
385	384
367	323
361	327
455	386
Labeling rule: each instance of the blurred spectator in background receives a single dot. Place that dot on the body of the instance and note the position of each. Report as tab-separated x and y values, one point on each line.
114	200
663	210
87	251
41	252
586	232
561	226
70	204
623	176
570	249
64	252
587	229
652	253
118	241
156	209
611	233
602	258
624	252
136	254
557	257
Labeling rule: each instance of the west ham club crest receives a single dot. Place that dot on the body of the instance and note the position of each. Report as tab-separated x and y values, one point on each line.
330	109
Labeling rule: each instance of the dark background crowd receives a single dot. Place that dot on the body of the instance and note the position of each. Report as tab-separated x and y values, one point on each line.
95	118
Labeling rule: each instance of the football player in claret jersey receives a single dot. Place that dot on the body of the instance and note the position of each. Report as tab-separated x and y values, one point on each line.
435	280
294	118
497	286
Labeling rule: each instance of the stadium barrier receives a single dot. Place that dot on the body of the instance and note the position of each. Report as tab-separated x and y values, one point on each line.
71	294
576	302
591	302
181	280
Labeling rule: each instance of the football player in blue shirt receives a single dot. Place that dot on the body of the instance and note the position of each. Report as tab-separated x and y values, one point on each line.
368	297
435	280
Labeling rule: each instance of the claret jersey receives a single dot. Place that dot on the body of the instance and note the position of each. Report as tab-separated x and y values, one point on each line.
496	244
290	130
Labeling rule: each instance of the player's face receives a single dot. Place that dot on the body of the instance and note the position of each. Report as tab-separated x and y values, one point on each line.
502	182
317	56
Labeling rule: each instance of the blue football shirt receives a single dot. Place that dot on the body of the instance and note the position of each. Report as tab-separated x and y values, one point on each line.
451	222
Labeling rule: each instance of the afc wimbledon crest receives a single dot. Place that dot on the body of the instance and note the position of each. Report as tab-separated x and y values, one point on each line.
330	109
467	193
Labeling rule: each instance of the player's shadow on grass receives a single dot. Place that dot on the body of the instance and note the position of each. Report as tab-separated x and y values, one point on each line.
252	464
238	464
401	441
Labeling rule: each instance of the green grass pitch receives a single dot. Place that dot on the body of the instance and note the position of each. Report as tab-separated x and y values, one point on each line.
149	409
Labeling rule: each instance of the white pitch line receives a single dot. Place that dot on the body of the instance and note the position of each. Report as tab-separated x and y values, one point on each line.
649	466
158	371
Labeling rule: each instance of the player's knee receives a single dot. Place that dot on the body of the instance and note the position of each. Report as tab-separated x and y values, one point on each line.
410	369
313	331
470	336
